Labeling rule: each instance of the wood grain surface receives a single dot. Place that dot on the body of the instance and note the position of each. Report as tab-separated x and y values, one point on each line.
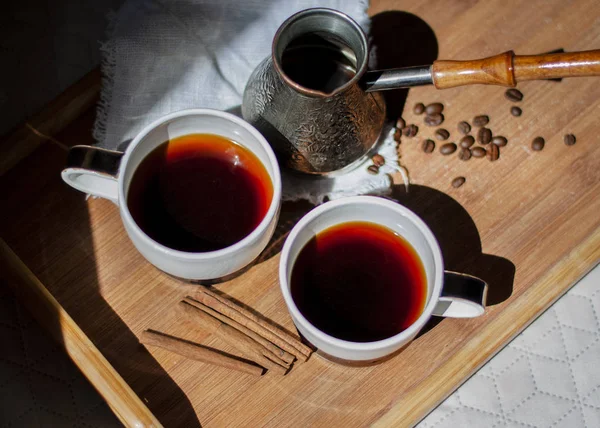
529	224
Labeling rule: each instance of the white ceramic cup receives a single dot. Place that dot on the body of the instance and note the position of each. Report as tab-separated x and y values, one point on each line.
108	174
448	294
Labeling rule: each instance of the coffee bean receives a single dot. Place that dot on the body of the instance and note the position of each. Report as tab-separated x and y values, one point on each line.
467	141
513	95
419	108
378	160
500	141
464	127
464	154
493	152
434	108
478	152
569	139
412	130
448	149
373	169
435	119
406	131
538	144
428	146
398	135
400	123
516	111
458	181
484	136
442	134
481	120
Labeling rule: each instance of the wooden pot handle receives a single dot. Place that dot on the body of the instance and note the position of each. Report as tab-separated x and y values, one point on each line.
507	68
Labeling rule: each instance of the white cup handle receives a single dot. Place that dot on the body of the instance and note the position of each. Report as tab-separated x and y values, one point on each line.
463	296
93	170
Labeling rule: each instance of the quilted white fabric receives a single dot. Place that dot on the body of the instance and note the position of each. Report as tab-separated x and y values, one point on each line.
548	376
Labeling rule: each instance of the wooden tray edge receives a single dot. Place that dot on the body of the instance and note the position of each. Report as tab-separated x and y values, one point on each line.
46	310
52	119
508	323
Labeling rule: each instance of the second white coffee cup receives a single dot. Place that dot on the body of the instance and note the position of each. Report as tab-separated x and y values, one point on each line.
461	296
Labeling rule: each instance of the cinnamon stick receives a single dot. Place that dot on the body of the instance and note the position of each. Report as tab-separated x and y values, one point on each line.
253	322
233	337
271	351
198	352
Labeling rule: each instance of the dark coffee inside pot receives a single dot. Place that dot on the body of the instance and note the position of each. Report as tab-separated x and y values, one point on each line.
318	62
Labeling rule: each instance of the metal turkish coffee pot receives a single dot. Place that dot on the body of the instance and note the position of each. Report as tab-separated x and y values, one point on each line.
306	99
317	105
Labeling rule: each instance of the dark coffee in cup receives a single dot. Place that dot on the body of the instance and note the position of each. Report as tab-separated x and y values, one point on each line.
359	281
199	193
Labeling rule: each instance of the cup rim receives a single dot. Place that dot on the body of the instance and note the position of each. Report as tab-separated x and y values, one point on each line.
361	67
248	239
416	326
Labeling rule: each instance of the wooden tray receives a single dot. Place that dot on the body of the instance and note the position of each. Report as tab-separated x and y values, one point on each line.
528	224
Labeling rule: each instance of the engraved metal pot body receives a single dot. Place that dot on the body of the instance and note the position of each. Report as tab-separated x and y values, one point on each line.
311	130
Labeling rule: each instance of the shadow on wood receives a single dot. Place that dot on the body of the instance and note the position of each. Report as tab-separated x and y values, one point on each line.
400	39
459	239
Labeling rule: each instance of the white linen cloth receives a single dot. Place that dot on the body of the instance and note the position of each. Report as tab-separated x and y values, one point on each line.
164	56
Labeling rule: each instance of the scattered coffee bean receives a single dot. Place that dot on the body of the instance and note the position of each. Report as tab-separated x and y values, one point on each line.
499	141
569	139
516	111
513	95
538	144
378	160
434	108
464	154
481	120
398	135
435	119
428	146
484	136
373	169
448	149
419	108
411	130
467	141
478	152
400	123
464	127
458	181
406	131
442	134
493	152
